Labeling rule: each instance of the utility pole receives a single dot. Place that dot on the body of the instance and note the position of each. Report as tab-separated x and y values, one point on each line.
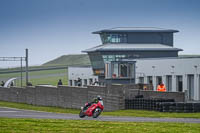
26	67
21	71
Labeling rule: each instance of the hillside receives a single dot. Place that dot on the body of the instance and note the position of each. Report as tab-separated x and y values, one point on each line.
70	60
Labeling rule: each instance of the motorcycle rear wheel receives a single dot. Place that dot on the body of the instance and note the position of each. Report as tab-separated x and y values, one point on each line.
81	114
96	113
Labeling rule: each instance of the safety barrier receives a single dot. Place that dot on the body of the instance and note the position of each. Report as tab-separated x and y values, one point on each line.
162	105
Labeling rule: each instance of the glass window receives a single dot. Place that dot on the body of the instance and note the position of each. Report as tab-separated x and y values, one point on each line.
190	86
169	82
70	82
113	38
179	83
123	70
113	57
158	80
85	82
149	80
119	70
141	80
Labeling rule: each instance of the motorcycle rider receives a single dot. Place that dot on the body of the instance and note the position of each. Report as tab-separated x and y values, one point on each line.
95	101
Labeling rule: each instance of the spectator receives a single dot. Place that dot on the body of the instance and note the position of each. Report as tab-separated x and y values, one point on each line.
79	82
11	84
95	82
60	82
2	83
29	84
161	87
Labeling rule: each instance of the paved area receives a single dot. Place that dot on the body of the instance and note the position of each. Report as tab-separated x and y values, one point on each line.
18	113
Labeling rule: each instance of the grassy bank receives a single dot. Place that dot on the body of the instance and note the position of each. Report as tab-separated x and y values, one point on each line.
39	77
132	113
84	126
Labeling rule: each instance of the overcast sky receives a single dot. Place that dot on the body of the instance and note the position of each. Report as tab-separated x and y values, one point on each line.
51	28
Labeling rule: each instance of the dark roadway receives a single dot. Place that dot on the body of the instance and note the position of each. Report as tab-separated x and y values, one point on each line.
19	113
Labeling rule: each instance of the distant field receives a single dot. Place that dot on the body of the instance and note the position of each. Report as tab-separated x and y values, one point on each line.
70	60
48	76
40	77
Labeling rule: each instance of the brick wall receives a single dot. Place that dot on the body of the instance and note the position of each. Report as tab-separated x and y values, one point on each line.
65	96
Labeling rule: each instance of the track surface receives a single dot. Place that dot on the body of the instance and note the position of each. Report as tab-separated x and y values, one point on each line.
19	113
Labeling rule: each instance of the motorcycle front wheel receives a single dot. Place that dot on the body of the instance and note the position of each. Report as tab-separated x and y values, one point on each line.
81	114
96	113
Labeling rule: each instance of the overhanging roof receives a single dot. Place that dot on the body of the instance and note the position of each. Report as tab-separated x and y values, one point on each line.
135	29
132	47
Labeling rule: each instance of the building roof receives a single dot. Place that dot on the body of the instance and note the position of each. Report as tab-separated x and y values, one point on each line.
132	47
135	29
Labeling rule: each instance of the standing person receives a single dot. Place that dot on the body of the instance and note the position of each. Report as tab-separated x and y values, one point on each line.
79	82
161	87
60	82
2	83
12	84
95	82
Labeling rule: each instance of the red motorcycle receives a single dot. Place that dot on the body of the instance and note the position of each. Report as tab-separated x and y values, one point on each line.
94	110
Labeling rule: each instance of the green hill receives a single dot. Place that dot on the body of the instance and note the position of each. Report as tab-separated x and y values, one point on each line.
70	60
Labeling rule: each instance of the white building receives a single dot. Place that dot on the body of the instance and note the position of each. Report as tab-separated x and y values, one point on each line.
84	73
178	74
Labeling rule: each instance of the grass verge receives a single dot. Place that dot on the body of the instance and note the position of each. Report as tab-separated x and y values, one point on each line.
132	113
84	126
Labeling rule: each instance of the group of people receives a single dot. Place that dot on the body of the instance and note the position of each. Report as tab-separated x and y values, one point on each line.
3	83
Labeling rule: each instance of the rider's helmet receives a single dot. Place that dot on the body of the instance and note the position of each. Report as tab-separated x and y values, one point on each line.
99	97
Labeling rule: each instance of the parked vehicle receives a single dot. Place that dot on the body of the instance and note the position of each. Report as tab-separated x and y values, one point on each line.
94	110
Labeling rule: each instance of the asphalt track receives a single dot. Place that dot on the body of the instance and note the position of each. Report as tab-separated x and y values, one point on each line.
19	113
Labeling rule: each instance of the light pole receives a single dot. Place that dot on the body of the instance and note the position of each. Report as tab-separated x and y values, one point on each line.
26	58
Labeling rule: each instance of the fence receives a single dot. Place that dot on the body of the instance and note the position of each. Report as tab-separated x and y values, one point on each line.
162	105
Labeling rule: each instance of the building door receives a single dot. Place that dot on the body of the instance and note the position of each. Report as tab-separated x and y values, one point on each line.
141	80
123	70
85	82
179	83
70	82
149	79
158	80
169	82
190	86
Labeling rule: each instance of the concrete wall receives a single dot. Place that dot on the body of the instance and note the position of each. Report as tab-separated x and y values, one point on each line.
65	96
177	96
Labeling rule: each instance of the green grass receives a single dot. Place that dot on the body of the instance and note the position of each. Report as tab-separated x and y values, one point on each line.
70	60
49	80
131	113
13	125
38	108
40	77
